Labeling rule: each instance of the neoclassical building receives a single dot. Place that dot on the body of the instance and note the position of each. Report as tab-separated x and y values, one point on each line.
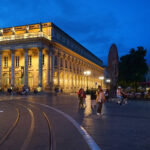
43	55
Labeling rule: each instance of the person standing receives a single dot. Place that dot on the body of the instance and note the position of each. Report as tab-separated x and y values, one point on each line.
93	99
82	96
107	95
100	100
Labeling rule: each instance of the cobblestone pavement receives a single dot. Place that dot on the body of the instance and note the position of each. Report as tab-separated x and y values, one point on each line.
125	127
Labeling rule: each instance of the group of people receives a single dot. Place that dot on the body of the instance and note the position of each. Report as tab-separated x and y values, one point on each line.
97	96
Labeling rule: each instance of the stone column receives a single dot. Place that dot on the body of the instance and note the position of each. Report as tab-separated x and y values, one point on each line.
72	76
52	68
12	68
81	77
40	66
58	69
75	75
25	67
48	68
79	85
64	72
68	72
0	69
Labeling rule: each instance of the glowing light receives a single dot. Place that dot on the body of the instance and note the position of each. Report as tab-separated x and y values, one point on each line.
24	36
87	73
108	80
101	77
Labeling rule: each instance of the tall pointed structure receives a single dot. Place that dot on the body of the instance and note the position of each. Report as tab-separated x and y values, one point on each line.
113	62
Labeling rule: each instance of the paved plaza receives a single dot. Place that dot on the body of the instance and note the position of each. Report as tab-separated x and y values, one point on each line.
125	127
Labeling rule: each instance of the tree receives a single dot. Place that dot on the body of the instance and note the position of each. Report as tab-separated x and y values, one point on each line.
132	68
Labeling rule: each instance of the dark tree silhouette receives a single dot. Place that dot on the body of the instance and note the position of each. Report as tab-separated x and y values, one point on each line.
132	68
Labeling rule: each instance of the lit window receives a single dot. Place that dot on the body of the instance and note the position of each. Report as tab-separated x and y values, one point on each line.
29	60
5	61
43	60
17	61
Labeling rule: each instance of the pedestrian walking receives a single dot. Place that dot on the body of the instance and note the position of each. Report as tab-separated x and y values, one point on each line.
121	95
107	95
100	100
56	90
93	99
81	96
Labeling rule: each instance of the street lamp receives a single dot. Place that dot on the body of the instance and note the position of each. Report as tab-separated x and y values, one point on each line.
87	73
101	78
108	82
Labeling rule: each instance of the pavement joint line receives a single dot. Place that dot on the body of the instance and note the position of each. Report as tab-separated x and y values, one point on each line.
89	140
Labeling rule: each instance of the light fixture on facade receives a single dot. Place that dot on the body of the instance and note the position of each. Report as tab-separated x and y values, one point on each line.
87	73
101	78
13	30
1	31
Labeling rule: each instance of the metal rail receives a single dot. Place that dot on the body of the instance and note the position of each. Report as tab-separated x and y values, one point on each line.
9	131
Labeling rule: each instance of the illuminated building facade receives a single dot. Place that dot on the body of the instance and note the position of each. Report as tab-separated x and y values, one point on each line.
43	55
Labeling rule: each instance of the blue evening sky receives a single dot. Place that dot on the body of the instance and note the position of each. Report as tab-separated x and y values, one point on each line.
96	24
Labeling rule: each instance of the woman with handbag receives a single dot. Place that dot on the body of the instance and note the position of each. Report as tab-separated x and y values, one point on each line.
100	100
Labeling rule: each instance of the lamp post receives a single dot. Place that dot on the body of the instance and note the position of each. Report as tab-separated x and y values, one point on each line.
87	73
101	78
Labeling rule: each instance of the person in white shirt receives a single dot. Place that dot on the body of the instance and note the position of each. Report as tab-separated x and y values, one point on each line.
100	100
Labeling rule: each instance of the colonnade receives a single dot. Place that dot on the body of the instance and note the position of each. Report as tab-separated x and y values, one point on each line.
50	67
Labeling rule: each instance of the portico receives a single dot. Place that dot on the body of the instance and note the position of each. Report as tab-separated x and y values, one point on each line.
45	57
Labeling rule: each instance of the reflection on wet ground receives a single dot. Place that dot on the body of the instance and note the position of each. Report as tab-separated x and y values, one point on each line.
124	127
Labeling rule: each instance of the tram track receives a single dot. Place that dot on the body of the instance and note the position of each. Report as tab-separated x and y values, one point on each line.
27	133
10	130
28	140
18	135
50	132
31	130
50	141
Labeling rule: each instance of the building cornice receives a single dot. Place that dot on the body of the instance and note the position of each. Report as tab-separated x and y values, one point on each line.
55	35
